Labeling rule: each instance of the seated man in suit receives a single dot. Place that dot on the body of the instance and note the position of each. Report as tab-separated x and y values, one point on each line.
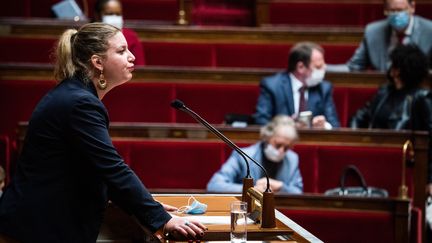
273	153
381	37
300	88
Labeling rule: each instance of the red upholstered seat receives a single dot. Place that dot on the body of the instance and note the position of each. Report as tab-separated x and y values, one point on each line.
166	10
178	54
252	55
324	13
140	102
17	101
213	101
232	12
338	53
308	158
371	161
345	226
189	54
349	99
331	13
172	164
26	49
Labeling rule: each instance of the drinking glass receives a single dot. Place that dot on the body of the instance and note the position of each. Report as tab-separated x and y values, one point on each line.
238	222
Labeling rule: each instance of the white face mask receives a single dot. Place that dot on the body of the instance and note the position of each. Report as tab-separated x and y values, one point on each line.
272	154
316	77
116	20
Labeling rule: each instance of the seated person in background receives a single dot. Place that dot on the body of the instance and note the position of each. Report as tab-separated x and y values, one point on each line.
273	153
300	88
110	12
381	37
2	180
402	103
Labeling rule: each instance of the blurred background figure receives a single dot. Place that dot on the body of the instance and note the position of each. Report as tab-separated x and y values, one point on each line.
403	103
381	37
110	12
300	88
273	152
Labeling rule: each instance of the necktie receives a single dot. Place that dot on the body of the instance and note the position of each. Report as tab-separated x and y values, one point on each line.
302	103
401	37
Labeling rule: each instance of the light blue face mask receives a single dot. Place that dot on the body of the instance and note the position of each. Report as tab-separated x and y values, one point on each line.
195	208
399	20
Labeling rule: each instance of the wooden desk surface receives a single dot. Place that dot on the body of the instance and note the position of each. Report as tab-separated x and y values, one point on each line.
219	205
120	227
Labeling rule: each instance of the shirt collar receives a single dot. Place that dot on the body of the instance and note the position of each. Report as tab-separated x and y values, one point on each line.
295	83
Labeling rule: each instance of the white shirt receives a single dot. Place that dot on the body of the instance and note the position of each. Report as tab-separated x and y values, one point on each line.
296	85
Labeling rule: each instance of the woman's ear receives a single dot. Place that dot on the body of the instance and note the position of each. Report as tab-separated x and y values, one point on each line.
97	62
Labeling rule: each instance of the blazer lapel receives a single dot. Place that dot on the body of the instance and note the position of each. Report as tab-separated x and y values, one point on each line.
416	31
287	93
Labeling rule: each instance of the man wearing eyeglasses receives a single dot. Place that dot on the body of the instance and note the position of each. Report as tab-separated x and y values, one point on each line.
381	37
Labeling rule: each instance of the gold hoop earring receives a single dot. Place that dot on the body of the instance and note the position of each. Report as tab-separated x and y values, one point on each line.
102	83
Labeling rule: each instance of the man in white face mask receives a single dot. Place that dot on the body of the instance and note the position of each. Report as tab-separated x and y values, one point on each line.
274	153
301	88
111	12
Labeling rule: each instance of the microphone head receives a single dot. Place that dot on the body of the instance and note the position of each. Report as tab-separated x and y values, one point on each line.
178	104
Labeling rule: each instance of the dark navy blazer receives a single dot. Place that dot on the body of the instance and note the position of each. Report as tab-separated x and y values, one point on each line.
276	98
67	172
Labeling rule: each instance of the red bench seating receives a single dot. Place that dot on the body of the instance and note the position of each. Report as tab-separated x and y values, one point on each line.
333	13
188	54
172	164
217	12
18	98
159	10
26	49
194	162
150	102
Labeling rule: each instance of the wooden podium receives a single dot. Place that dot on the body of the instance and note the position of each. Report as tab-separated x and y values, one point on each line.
119	227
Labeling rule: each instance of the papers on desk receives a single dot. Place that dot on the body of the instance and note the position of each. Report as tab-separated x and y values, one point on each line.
214	220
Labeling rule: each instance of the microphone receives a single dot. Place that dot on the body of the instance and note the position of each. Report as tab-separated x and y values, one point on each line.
179	105
267	198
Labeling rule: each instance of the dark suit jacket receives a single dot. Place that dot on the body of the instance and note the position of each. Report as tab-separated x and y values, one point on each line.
68	170
276	98
411	111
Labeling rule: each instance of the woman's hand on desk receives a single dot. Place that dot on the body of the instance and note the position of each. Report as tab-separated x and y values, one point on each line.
178	227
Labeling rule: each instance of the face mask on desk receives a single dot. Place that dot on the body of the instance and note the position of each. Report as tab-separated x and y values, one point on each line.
116	20
195	208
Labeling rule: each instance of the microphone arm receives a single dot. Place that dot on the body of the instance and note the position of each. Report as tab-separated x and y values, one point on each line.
181	106
250	195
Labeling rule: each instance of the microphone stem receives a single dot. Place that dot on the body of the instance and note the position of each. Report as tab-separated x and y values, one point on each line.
231	144
221	136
